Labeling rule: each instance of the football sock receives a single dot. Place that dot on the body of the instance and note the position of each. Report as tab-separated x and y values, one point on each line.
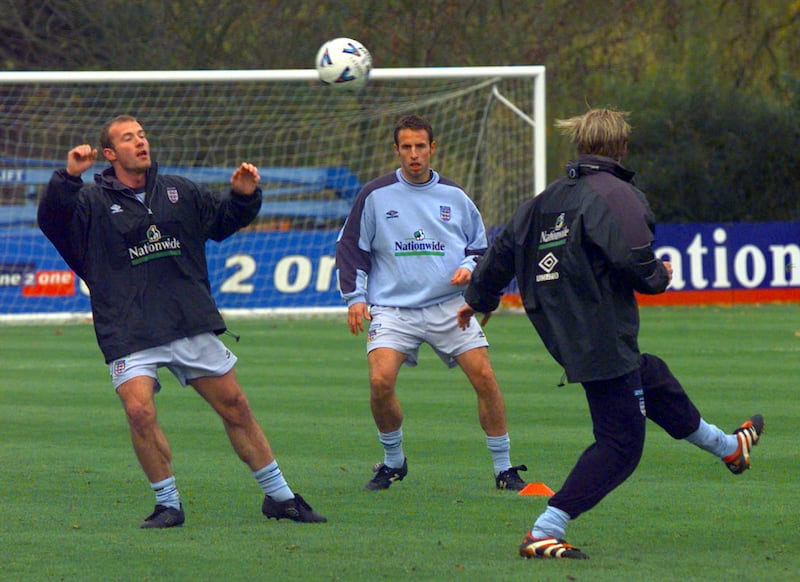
712	439
552	523
499	447
167	493
272	483
392	448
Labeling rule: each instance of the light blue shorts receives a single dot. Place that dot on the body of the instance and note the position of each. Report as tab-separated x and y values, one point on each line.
404	329
187	358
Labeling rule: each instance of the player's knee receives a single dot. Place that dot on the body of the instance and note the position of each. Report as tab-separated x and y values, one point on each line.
633	449
235	409
625	457
140	416
380	387
626	443
485	383
635	452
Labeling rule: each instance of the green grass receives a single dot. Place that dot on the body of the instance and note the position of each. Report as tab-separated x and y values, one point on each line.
73	493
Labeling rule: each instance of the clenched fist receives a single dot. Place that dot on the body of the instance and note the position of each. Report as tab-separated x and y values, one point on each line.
80	159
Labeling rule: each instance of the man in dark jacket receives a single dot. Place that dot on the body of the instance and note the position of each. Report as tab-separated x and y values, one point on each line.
579	250
137	239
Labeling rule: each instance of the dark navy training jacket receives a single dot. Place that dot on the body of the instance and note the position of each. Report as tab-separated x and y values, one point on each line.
579	250
144	263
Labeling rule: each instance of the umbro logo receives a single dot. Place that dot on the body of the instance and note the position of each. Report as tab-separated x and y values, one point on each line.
115	208
548	263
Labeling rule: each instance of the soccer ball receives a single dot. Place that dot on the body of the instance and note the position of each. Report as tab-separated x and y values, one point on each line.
344	63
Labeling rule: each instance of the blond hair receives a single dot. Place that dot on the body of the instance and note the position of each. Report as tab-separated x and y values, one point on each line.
602	132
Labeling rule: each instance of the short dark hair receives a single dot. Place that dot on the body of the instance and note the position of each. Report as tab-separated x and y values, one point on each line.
105	137
413	122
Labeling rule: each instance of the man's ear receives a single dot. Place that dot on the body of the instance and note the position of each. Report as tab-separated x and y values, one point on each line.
109	154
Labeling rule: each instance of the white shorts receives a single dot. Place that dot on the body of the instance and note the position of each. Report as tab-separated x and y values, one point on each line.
404	329
187	358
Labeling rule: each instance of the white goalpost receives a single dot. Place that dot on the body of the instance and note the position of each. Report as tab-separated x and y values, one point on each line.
315	147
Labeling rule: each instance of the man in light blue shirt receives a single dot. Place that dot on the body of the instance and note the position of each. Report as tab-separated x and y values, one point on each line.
404	258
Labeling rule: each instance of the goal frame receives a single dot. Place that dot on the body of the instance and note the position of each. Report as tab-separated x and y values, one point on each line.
537	72
536	123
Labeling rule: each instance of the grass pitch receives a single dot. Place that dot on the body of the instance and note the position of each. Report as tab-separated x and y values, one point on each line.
73	494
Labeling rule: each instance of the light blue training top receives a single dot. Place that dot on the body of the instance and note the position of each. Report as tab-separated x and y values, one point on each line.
402	242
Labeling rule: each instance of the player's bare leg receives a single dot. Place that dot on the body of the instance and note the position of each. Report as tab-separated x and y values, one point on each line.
384	366
226	397
152	450
492	415
491	405
149	442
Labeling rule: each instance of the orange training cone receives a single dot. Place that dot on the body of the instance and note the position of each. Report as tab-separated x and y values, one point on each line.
537	489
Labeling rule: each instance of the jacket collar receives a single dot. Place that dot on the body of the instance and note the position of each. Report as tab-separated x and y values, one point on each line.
108	179
585	165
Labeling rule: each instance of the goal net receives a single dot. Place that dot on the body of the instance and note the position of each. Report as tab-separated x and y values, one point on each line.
315	147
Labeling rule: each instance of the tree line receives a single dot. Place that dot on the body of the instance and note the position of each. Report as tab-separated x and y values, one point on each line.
713	86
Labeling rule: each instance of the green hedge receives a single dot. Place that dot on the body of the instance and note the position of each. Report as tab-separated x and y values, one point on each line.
704	155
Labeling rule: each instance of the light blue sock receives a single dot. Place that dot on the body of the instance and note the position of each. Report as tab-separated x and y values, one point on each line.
392	442
499	447
167	493
552	523
272	483
712	439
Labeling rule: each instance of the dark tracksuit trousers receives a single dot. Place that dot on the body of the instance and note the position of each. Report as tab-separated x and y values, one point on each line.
619	409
